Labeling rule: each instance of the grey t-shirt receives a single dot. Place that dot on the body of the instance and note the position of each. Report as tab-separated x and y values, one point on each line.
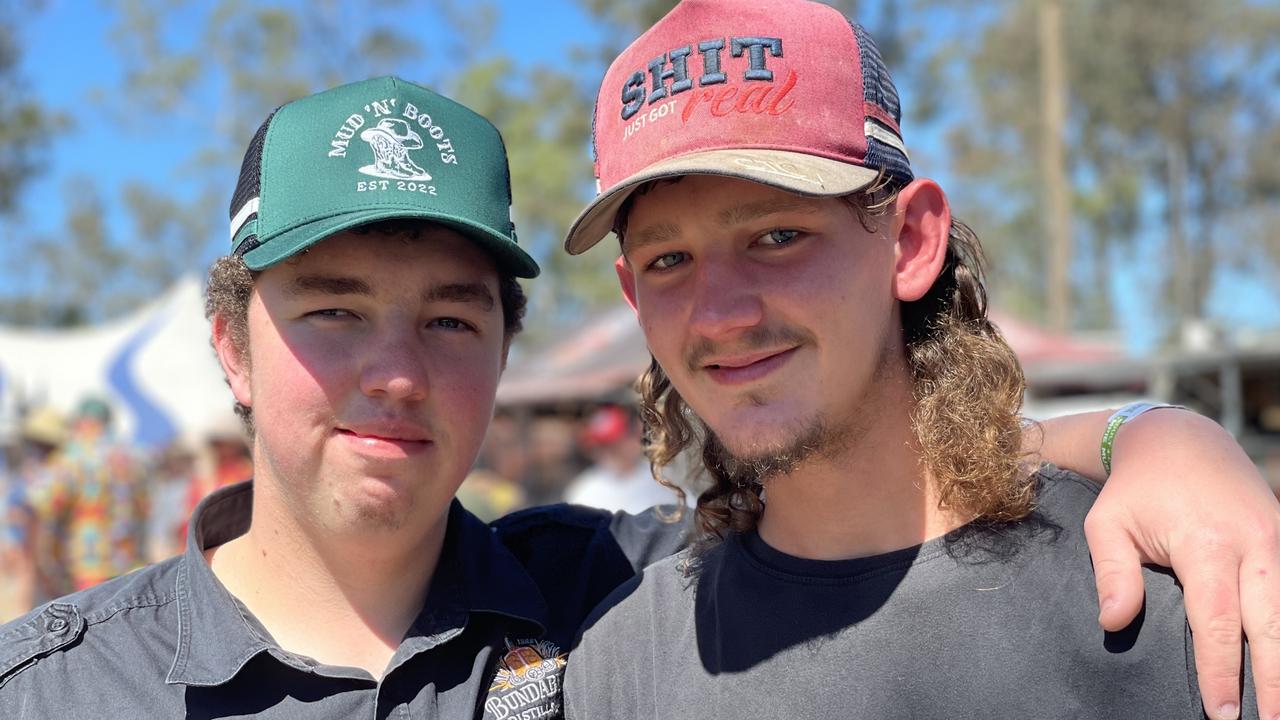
983	623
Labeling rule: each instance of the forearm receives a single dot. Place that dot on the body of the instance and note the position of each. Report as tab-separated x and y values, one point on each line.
1073	442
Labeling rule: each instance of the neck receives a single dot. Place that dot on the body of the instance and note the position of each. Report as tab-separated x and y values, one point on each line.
360	597
872	497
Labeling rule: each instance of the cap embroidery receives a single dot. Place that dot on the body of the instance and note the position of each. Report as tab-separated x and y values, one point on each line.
780	168
391	140
673	67
394	133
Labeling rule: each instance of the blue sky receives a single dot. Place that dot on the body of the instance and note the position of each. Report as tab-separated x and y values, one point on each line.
67	58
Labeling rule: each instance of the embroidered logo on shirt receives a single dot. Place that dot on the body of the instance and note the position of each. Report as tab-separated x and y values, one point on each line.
527	683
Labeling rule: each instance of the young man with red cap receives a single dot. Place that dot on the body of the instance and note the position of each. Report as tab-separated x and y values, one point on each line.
877	543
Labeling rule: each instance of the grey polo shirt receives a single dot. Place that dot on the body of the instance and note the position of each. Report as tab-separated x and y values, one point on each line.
170	641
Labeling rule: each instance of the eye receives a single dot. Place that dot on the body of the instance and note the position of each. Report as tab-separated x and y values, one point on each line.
779	236
331	314
666	261
451	323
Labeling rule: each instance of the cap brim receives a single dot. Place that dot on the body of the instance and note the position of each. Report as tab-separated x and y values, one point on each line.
508	256
795	172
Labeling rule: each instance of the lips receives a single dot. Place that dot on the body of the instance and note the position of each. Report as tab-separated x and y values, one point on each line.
386	438
388	430
738	369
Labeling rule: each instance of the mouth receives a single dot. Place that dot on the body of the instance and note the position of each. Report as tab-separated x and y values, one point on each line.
740	369
386	439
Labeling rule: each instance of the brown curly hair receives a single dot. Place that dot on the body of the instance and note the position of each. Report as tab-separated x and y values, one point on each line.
231	285
968	389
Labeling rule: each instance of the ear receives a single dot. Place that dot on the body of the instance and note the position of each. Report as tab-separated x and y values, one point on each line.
234	361
627	279
921	245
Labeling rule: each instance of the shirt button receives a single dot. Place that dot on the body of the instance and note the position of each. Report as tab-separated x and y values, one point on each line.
57	625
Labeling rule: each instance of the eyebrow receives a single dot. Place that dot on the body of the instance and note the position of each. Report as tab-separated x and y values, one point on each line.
736	215
327	285
662	232
746	212
475	293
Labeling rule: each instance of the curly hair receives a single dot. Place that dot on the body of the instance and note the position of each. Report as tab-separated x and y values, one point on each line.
967	387
231	285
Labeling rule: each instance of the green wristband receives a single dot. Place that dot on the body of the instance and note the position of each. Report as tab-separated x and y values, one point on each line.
1120	417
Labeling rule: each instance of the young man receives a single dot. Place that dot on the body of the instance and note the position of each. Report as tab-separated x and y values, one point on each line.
362	321
875	544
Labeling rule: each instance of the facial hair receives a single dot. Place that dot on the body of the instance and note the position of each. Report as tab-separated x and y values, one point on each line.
818	438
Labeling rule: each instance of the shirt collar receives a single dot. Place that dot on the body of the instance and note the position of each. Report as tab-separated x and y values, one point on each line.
489	576
217	635
214	638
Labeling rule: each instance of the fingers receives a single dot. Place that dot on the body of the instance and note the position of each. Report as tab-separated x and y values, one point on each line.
1260	603
1212	593
1117	570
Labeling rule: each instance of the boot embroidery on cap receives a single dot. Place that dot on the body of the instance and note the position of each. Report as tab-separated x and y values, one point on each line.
399	137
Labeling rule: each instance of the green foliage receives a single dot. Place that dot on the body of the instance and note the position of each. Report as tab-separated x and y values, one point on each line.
248	58
26	126
1165	101
1170	102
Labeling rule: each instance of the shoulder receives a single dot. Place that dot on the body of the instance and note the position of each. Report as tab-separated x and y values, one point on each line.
1064	496
576	532
557	519
611	668
72	635
1052	476
661	594
571	556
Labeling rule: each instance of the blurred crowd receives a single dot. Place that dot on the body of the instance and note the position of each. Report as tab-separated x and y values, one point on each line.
80	507
589	455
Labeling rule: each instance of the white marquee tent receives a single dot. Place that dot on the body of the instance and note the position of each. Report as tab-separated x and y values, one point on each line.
155	367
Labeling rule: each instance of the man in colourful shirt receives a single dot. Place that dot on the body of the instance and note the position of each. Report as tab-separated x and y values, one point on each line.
91	508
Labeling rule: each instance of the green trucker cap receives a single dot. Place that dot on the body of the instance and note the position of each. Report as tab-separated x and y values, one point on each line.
379	149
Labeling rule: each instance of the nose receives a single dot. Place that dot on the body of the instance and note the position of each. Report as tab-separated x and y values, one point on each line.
726	298
394	365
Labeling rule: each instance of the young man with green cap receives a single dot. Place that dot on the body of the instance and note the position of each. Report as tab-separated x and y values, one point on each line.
875	543
362	321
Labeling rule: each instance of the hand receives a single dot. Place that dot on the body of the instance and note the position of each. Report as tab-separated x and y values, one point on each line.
1184	495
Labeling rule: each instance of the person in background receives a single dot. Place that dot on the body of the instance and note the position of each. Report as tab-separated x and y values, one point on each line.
226	460
489	495
172	477
621	478
42	433
91	507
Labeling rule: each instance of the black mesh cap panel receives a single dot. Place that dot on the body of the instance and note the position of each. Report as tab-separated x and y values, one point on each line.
251	169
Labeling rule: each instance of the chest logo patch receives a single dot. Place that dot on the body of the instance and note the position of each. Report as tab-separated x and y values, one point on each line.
527	683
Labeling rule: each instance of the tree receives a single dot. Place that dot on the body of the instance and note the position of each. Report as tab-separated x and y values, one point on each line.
1165	97
26	127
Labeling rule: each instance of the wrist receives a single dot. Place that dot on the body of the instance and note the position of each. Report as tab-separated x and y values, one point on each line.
1121	418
